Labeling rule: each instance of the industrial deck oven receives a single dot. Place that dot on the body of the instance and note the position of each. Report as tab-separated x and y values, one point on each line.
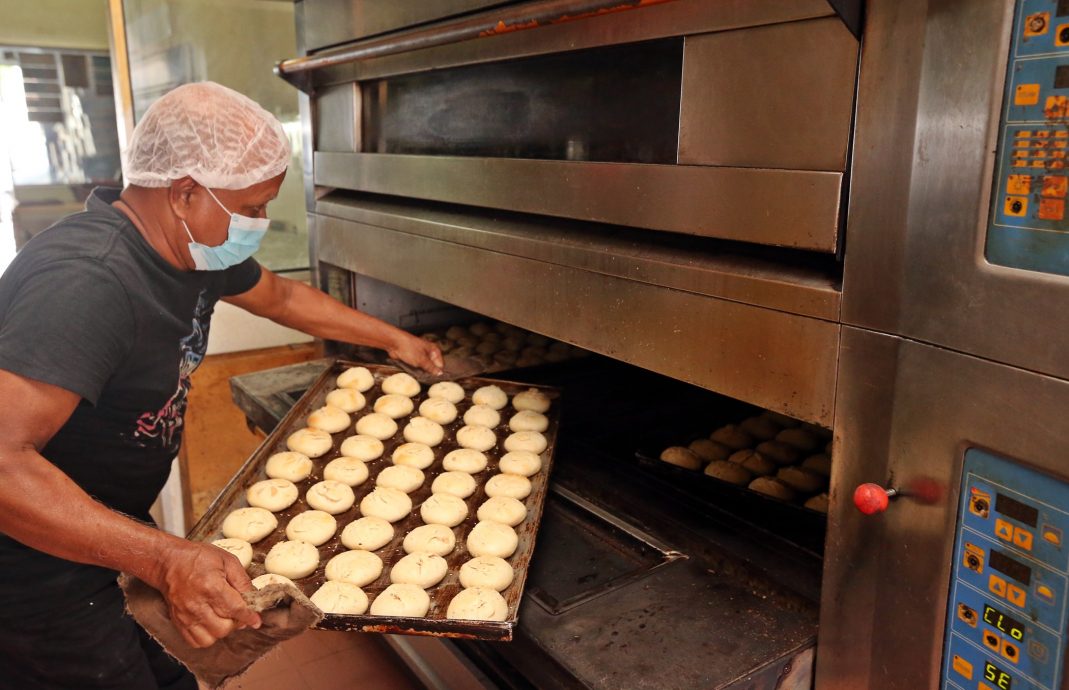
849	213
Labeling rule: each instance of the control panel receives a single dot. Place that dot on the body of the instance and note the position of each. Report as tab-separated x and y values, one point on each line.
1029	228
1006	615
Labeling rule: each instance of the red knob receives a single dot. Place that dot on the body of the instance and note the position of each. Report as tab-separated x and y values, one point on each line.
872	498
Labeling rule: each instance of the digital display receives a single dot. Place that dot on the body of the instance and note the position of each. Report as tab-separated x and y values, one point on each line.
996	675
1007	566
1015	509
1004	623
1061	77
1063	8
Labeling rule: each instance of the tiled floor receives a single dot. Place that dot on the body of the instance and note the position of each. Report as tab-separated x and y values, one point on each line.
323	660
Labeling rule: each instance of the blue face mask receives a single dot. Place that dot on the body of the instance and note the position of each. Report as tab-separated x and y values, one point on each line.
243	238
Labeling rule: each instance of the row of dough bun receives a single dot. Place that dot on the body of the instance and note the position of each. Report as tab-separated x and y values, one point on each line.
769	453
491	541
502	346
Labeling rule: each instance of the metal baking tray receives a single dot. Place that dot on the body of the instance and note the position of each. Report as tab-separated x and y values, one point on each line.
435	623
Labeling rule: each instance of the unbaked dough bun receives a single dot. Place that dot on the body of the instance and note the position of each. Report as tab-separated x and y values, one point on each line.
271	579
358	378
781	419
417	455
423	430
491	396
313	526
329	419
348	471
340	598
486	571
347	400
504	509
818	503
389	504
241	549
708	450
447	390
443	509
801	439
760	427
409	601
477	438
529	421
682	457
394	406
727	471
459	484
779	452
531	441
310	442
288	465
511	485
376	425
531	399
455	332
401	384
802	481
482	415
438	410
367	533
755	462
330	496
478	604
436	539
420	569
733	437
819	464
356	567
272	494
292	559
521	462
480	329
492	539
250	524
362	447
770	486
400	477
464	460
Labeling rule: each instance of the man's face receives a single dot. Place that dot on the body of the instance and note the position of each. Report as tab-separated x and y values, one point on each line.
208	221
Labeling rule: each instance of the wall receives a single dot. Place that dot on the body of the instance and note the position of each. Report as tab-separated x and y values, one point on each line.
55	24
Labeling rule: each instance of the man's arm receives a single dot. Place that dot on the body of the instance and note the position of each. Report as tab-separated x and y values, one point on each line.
43	508
306	309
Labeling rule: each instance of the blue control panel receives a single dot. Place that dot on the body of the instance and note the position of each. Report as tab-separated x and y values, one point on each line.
1029	227
1006	616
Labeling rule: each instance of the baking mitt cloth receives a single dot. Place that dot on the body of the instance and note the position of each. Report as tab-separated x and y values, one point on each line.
285	613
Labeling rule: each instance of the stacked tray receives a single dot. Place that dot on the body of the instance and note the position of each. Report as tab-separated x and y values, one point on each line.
435	622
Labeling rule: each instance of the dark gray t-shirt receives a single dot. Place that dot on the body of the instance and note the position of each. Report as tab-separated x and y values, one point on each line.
89	306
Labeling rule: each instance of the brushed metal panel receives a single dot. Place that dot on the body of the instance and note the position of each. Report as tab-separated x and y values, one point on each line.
772	359
905	414
931	85
778	96
788	208
760	281
337	118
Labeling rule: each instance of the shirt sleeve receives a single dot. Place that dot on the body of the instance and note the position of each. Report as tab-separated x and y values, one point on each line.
241	278
70	324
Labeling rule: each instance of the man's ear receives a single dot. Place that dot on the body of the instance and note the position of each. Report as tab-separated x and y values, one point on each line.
180	196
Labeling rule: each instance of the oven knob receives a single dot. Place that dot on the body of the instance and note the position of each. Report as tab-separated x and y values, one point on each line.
873	498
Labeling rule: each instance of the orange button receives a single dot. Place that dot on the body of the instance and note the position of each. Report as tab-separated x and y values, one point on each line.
992	641
1023	134
1026	94
1016	595
1056	108
1052	535
1049	209
1053	185
1015	184
1045	593
997	585
963	667
1036	24
1010	651
1058	36
1022	537
1020	162
1016	206
1003	529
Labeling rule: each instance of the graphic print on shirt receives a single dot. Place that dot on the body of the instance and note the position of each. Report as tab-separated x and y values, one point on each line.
163	428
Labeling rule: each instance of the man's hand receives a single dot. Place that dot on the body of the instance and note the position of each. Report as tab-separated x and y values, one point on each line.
202	585
417	352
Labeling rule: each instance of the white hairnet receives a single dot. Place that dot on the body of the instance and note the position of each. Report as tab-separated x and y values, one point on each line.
217	136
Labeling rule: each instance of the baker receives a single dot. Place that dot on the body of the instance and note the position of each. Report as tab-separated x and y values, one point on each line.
103	318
